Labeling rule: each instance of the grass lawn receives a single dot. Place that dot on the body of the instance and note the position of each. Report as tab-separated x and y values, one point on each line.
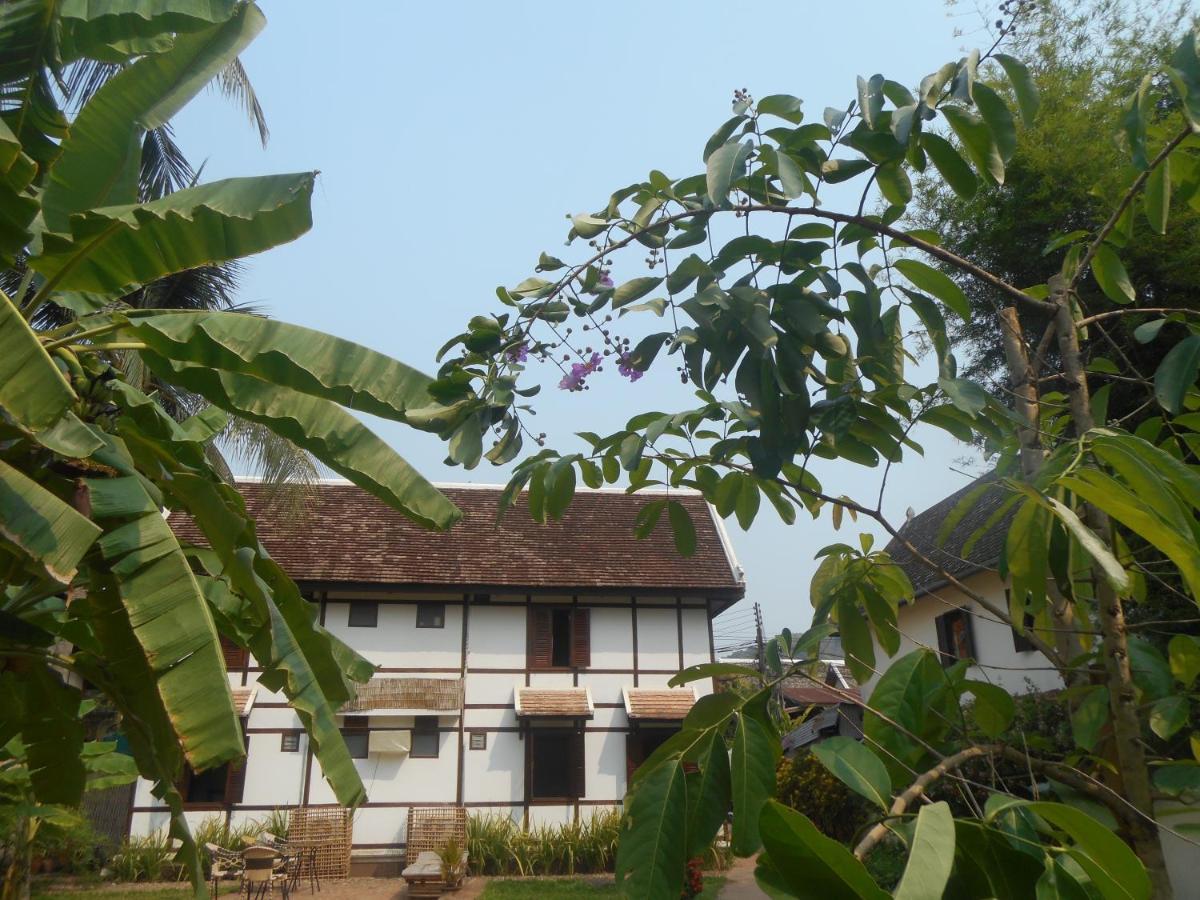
113	891
567	888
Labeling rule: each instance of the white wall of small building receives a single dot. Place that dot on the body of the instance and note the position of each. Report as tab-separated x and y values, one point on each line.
669	631
1017	671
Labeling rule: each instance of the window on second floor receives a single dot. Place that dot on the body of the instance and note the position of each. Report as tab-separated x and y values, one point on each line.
954	637
559	638
235	656
431	615
363	614
426	742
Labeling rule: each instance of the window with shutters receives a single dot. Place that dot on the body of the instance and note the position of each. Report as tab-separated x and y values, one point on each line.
954	636
426	742
560	637
555	764
235	656
220	786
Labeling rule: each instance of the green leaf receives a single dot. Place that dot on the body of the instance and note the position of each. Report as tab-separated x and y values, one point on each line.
44	528
706	670
931	856
894	184
953	168
1023	86
708	793
857	766
994	707
783	105
1168	716
721	136
802	862
101	155
321	427
1176	374
747	502
723	167
682	528
53	733
651	853
294	357
939	284
1090	717
1158	196
112	250
560	488
998	119
171	622
103	30
1096	548
1111	275
966	395
752	766
1184	654
836	171
977	140
32	389
1114	869
634	289
791	176
912	693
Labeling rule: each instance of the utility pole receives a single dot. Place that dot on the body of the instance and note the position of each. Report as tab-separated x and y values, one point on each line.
759	640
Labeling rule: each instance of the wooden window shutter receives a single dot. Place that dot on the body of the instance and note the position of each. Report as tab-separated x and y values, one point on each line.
581	639
235	656
578	767
235	775
541	639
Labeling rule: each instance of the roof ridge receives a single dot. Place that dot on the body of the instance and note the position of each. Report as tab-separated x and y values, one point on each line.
487	486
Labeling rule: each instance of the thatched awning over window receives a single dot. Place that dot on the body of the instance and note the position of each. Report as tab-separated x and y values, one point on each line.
661	705
554	703
401	696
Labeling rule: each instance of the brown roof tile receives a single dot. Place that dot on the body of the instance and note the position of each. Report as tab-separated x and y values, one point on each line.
348	536
803	692
243	699
440	694
653	703
560	702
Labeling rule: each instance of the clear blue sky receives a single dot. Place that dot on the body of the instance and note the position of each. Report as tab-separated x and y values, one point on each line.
452	138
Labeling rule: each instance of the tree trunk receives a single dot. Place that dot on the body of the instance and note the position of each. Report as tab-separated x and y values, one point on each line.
1127	734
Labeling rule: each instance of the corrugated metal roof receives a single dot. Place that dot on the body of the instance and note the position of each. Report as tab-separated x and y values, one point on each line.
344	535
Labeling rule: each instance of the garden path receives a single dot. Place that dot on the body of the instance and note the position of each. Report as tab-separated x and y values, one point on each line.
739	882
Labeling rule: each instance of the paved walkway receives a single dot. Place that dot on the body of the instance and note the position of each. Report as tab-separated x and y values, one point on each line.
739	882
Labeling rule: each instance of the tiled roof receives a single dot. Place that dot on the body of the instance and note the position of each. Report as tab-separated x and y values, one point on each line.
555	703
803	692
922	531
347	536
434	694
243	699
654	703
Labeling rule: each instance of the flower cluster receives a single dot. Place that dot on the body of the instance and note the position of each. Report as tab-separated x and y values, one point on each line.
576	378
626	368
519	353
693	881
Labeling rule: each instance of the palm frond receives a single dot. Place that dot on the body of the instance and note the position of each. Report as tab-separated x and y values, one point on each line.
205	287
164	167
234	83
84	78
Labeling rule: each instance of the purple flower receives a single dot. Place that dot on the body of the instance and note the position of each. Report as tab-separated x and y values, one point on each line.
605	280
575	379
626	368
519	353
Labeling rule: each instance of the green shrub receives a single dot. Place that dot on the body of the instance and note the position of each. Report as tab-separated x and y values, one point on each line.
148	858
808	787
496	845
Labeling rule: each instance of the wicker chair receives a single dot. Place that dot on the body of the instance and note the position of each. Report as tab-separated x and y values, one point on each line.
429	830
259	875
224	865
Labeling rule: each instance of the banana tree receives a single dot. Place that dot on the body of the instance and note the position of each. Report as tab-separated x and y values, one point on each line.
797	322
96	589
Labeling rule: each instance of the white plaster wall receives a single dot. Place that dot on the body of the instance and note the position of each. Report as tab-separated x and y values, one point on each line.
550	815
612	638
1183	857
999	663
696	648
605	688
604	755
551	679
396	641
380	825
497	773
488	688
658	638
496	637
274	778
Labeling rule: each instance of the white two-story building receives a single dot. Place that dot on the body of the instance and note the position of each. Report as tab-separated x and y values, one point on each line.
522	668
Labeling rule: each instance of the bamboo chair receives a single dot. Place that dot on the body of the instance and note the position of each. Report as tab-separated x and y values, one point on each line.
429	830
224	865
259	872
